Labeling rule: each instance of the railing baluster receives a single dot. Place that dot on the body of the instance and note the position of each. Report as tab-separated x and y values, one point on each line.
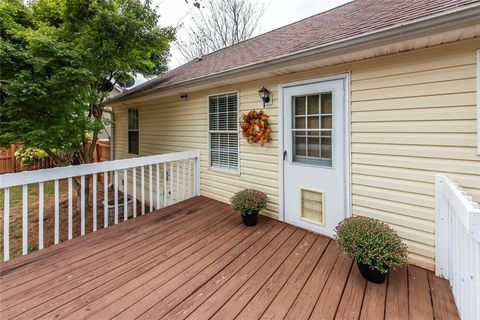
56	235
197	175
70	208
183	180
25	219
177	191
134	191
189	178
105	199
115	195
94	202
171	183
158	186
40	214
6	224
150	187
125	195
82	205
142	182
164	184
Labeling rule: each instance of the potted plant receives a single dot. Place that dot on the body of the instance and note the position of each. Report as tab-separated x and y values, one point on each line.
374	245
248	203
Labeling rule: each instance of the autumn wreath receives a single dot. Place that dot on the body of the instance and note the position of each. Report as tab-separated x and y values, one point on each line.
255	127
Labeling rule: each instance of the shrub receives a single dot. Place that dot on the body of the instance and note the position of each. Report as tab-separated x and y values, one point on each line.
371	242
249	200
27	155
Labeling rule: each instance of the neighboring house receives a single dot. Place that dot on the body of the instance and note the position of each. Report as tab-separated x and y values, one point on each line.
368	102
106	133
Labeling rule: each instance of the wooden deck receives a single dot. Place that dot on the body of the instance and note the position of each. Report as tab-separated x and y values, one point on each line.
195	260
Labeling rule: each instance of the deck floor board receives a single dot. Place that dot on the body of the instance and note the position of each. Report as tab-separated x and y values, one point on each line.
195	260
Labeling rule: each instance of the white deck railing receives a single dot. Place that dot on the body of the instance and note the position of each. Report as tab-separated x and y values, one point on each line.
457	241
168	178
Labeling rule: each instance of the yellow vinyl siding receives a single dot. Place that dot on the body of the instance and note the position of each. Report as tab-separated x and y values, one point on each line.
173	125
413	115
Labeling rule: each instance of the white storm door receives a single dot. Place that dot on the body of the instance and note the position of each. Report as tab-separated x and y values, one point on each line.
314	155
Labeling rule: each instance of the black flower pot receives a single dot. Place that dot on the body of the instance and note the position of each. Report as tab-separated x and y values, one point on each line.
250	219
372	275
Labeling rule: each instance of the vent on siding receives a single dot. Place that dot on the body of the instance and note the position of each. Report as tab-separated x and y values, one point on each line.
313	206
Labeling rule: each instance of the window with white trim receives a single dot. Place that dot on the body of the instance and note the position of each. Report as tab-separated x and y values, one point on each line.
133	131
223	131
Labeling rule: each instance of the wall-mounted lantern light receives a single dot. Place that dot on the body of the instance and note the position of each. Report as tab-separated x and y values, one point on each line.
264	95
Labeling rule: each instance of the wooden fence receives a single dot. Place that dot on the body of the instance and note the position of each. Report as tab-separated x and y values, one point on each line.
9	164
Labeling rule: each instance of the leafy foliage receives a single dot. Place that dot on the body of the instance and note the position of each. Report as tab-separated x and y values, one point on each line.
59	60
371	242
249	200
27	155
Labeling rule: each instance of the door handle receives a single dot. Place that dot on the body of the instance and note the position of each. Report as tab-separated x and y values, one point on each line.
284	155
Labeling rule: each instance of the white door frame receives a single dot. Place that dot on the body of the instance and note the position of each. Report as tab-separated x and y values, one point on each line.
346	80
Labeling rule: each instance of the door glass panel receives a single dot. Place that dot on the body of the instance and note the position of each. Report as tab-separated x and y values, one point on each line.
326	122
313	122
327	103
299	105
313	106
326	143
313	145
312	129
300	122
299	143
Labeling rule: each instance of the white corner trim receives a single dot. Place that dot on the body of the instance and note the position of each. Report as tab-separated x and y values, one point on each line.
348	146
281	209
478	101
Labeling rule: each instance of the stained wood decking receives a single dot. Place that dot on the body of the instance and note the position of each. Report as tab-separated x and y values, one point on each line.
195	260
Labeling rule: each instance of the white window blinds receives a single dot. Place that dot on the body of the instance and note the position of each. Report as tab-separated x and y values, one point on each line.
223	131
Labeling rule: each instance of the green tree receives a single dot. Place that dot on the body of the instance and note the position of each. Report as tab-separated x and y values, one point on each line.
59	60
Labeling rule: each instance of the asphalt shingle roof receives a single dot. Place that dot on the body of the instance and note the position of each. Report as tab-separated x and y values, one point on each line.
352	19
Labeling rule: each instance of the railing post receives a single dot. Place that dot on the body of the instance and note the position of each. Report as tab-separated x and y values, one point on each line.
25	219
57	212
40	214
105	199
6	224
197	173
441	229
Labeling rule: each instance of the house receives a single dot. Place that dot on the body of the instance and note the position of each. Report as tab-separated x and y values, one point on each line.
367	102
371	110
